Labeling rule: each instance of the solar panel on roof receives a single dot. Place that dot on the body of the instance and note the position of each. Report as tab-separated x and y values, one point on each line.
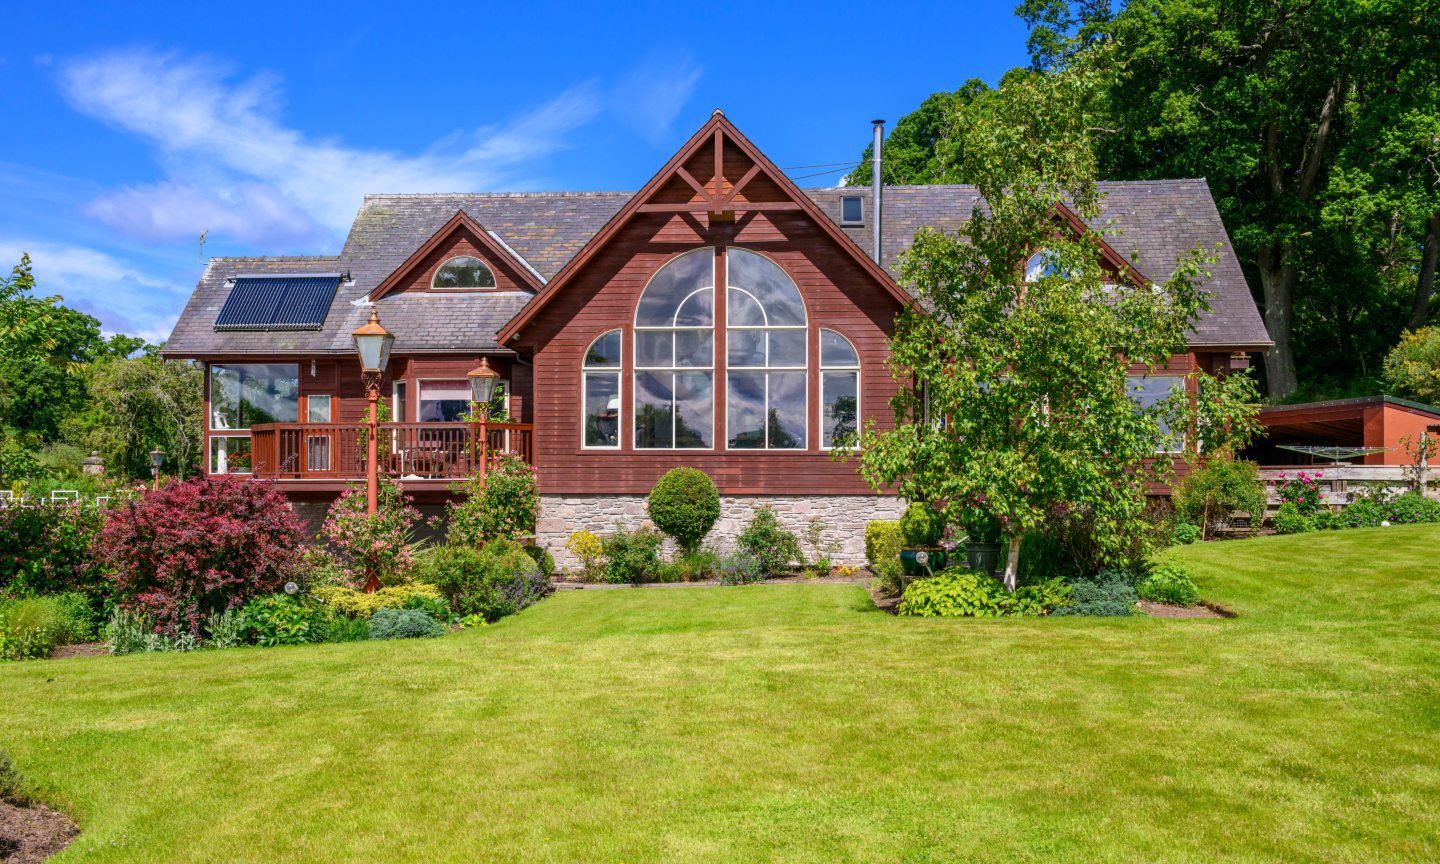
278	302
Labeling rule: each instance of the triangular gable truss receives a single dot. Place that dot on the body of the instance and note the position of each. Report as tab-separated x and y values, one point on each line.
732	183
461	221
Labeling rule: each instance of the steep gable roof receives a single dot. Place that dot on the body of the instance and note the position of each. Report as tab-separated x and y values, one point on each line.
1158	221
727	191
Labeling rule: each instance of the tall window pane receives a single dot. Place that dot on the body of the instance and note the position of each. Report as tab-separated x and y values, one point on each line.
1148	391
766	351
839	390
245	394
602	391
675	355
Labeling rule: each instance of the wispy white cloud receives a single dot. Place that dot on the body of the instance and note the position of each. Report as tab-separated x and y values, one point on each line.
125	299
260	177
649	97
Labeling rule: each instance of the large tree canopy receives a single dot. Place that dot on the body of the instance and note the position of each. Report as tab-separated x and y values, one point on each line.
1317	125
1016	407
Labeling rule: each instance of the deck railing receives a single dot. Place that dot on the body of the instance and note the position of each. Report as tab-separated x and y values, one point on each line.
336	451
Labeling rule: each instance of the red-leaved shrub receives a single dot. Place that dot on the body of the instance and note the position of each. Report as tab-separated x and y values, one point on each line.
204	545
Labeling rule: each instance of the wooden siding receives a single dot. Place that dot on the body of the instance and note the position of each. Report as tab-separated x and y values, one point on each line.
838	295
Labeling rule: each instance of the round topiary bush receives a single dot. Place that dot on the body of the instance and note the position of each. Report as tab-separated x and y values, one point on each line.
922	525
685	505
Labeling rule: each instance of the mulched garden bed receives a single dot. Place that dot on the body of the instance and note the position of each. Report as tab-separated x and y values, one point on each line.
29	835
1165	610
86	649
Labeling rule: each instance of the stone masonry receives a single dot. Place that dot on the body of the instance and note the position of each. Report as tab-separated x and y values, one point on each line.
844	516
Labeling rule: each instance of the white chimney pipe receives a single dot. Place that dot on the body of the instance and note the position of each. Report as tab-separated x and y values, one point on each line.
877	188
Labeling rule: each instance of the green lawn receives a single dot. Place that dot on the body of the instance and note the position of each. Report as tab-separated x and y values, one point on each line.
785	724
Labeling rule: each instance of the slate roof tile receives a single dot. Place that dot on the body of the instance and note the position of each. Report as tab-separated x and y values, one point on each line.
1159	220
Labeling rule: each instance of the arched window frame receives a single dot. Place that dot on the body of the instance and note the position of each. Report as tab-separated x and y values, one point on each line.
599	371
831	369
675	369
453	258
767	369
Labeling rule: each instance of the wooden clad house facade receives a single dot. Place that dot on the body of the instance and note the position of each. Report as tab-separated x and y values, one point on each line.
719	318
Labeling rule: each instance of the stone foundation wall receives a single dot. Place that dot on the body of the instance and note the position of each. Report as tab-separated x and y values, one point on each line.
844	516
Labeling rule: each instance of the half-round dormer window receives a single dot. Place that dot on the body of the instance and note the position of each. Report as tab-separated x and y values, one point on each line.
463	271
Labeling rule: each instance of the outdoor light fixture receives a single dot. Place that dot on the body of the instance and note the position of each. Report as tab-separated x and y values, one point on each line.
482	382
292	589
157	458
373	343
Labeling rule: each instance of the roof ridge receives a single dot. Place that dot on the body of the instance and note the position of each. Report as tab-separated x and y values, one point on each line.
275	258
598	193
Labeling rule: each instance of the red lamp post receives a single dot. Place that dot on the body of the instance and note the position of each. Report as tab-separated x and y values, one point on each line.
482	389
372	344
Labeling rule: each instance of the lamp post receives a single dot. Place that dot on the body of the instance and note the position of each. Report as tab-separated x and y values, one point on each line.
157	458
372	344
482	389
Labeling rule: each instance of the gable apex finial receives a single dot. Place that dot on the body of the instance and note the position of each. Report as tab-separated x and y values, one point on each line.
718	112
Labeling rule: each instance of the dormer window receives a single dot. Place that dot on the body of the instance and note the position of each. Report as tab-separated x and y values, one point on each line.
463	272
852	210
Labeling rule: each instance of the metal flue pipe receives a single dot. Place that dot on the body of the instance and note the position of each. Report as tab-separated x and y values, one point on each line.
877	188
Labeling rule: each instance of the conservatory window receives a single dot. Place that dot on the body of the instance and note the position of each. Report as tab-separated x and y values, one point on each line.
230	454
839	391
601	388
244	394
1148	391
461	272
675	355
765	337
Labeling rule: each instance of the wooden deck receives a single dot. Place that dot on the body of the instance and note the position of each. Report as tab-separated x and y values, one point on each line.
408	451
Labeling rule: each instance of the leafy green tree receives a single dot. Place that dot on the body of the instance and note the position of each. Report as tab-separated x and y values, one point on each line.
44	349
1264	100
1413	368
1025	408
137	404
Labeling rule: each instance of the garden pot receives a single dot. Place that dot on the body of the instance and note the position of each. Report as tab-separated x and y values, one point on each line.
984	557
917	562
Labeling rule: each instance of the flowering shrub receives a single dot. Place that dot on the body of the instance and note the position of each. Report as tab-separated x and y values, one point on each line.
1302	490
503	505
381	545
181	552
46	549
590	550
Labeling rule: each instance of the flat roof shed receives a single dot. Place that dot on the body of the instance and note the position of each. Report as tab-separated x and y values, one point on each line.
1368	421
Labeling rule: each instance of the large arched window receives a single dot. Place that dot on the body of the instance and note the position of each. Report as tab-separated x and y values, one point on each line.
601	386
839	391
463	272
675	355
765	355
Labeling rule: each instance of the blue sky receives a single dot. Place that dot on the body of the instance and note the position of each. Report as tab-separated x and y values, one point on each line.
133	127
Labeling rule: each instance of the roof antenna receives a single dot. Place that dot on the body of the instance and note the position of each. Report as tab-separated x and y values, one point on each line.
877	186
203	235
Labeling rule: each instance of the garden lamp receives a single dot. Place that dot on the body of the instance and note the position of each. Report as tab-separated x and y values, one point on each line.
373	343
157	458
482	382
482	389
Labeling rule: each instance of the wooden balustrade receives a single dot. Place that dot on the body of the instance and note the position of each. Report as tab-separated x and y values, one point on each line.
336	451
